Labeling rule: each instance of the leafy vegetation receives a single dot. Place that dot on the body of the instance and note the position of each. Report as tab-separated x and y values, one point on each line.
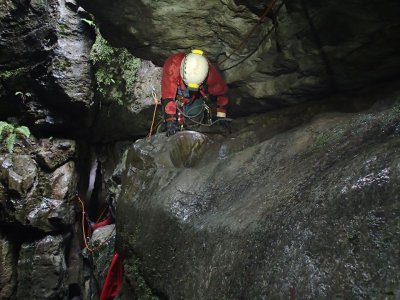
9	134
115	71
6	75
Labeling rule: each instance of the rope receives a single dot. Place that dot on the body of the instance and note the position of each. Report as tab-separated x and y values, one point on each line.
256	48
153	93
85	237
250	32
102	213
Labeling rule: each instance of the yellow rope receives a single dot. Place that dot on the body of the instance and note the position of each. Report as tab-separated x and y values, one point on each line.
250	32
153	93
90	249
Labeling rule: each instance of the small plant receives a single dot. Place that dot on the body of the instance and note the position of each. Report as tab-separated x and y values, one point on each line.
115	70
9	134
23	96
89	22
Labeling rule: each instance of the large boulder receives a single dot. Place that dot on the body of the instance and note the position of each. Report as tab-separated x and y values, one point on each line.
310	212
38	190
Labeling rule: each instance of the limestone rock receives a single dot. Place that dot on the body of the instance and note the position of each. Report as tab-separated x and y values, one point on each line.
42	269
30	196
301	50
8	263
102	241
133	117
19	172
50	207
311	211
45	54
55	153
70	65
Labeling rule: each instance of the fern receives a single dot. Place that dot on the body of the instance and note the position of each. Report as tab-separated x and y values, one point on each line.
10	133
5	127
10	141
23	130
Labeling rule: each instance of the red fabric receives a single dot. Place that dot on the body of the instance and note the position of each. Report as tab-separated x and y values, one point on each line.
105	222
171	78
170	108
113	283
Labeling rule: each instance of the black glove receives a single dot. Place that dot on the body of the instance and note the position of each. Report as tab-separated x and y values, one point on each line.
224	123
171	128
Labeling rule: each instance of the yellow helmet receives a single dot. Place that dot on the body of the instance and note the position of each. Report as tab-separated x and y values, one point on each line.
194	69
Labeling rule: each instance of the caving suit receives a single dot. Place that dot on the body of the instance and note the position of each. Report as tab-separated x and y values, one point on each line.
174	93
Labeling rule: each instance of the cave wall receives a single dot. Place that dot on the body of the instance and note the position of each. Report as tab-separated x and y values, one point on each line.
303	49
44	57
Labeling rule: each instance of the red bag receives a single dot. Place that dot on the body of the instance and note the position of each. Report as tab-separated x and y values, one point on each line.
113	283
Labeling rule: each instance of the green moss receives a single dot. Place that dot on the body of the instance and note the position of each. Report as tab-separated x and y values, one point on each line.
115	71
38	3
329	137
102	257
61	64
396	109
63	29
132	271
5	75
132	267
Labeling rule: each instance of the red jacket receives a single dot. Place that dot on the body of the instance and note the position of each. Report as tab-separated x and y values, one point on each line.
171	79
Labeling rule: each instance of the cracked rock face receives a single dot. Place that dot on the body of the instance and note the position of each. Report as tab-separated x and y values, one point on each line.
44	55
42	269
302	49
37	193
38	182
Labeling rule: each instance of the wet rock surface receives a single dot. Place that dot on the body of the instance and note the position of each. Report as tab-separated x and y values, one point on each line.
8	275
132	117
102	242
311	212
37	217
42	269
296	203
34	196
44	66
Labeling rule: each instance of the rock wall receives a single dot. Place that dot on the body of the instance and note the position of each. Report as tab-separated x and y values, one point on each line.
212	214
48	83
309	213
45	74
38	183
301	50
